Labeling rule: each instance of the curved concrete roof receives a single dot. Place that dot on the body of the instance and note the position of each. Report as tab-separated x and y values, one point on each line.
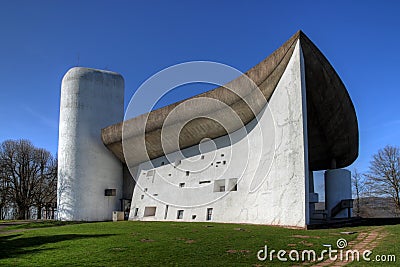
332	122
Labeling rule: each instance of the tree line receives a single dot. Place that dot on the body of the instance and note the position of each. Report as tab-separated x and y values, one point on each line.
28	180
381	181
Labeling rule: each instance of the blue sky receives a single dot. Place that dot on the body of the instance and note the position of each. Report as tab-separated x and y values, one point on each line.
41	40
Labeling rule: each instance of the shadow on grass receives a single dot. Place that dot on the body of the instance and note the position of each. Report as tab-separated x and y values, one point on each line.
6	226
13	245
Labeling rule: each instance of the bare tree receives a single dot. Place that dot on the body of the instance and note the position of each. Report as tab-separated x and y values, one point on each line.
384	174
30	174
359	188
4	192
45	191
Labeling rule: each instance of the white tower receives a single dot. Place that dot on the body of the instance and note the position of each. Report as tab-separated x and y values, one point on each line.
90	100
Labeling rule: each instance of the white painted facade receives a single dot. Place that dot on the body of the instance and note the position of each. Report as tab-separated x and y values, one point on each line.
260	176
90	100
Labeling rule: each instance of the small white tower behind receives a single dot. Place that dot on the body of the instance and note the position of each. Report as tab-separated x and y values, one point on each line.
90	100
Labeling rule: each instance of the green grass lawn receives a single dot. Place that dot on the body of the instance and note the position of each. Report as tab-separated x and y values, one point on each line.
164	243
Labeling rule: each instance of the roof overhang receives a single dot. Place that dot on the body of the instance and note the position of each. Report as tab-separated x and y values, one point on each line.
331	118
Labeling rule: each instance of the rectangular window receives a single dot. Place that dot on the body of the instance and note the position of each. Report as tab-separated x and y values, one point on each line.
222	188
204	182
209	214
136	212
187	173
179	214
149	211
110	192
182	185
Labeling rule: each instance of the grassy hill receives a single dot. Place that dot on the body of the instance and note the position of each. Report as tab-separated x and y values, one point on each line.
169	243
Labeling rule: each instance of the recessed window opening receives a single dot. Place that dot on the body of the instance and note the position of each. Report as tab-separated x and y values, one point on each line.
209	214
204	182
181	184
149	211
219	185
194	217
187	173
136	212
166	212
110	192
232	184
179	214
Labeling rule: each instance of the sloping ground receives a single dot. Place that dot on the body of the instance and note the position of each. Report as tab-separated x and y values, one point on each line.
376	207
181	244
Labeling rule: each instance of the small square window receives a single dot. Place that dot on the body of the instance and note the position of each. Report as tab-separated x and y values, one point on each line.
224	162
194	217
181	184
187	173
202	156
162	163
179	214
142	196
149	211
219	185
232	184
222	155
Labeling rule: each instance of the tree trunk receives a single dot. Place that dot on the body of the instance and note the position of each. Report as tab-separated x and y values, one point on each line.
39	212
22	212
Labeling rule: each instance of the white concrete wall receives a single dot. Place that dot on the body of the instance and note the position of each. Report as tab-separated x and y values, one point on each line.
268	157
90	100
